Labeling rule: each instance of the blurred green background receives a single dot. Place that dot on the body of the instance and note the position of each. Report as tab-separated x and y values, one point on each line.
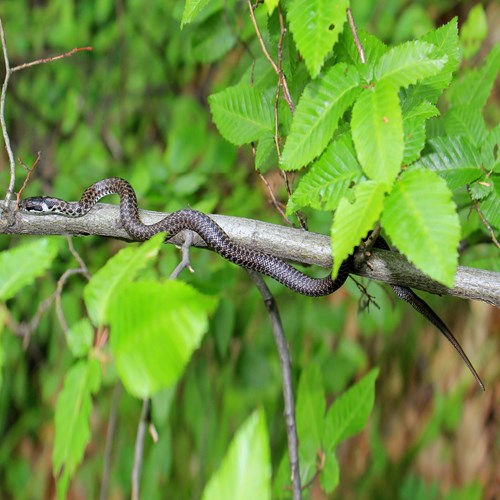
136	107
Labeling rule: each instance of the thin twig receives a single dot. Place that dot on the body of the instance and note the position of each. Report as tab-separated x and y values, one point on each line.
50	59
185	262
139	449
276	203
28	175
286	374
110	434
487	225
357	41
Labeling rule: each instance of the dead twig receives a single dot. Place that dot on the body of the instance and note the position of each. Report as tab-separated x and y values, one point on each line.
357	41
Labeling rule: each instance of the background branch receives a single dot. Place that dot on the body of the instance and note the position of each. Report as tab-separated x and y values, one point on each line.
284	242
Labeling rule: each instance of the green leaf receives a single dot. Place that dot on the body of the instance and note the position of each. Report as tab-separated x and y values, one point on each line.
473	31
155	328
212	39
474	89
352	221
310	412
377	131
191	9
119	270
316	26
320	107
466	121
21	265
409	63
271	5
329	177
414	129
330	475
421	220
490	206
80	337
72	420
349	412
242	113
245	473
455	159
445	39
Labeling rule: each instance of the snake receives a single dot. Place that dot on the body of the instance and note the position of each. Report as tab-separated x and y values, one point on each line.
220	242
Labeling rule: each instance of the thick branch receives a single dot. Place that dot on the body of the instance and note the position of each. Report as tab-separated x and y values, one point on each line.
285	242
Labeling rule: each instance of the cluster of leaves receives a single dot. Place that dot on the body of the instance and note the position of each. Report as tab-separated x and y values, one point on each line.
376	148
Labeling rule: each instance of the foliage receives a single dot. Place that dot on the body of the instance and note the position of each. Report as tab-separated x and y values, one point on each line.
180	99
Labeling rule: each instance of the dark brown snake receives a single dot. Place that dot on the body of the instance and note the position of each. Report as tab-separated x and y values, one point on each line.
215	237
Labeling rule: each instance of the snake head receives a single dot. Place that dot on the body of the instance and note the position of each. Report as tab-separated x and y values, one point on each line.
38	204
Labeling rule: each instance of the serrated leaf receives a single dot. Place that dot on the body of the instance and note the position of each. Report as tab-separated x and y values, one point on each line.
265	148
445	39
245	472
467	122
350	411
119	270
455	159
421	220
72	420
316	26
155	329
310	412
490	206
352	221
409	63
320	107
191	9
474	89
377	131
329	177
20	266
414	129
242	113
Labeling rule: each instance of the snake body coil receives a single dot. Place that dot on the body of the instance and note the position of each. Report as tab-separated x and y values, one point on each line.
216	238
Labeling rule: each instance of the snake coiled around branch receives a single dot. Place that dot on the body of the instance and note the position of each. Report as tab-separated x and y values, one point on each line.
217	239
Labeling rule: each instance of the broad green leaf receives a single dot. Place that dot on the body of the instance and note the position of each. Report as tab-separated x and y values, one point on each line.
445	39
155	328
329	177
242	113
212	39
245	472
72	420
320	107
473	31
21	265
490	206
330	475
352	221
474	89
271	5
409	63
316	26
421	220
350	411
414	129
455	159
80	337
265	148
310	414
119	270
467	122
377	131
191	9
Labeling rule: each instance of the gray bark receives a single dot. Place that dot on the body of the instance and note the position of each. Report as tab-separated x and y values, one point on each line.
284	242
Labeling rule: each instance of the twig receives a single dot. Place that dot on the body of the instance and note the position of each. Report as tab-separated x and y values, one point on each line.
139	449
487	225
276	203
110	434
50	59
286	373
28	175
357	41
185	262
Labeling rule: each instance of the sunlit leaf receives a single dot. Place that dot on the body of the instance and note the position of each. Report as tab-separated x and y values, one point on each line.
155	328
20	266
377	131
316	26
242	113
245	472
316	118
421	220
352	221
191	9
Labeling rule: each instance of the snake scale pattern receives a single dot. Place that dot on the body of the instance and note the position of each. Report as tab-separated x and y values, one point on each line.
217	239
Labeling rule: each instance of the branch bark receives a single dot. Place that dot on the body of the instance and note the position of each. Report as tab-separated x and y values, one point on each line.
288	243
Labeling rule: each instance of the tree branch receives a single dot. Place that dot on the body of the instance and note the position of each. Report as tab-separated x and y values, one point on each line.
284	242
